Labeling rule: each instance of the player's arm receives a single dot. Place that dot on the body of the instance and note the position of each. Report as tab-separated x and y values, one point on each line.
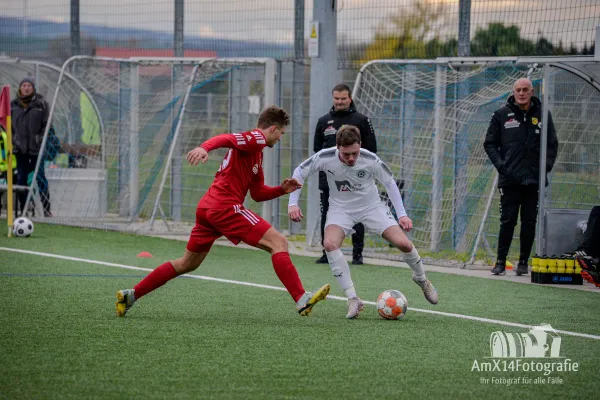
384	174
261	192
319	138
493	141
247	142
302	171
367	134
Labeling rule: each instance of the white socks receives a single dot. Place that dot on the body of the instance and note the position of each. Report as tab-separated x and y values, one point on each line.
414	262
341	270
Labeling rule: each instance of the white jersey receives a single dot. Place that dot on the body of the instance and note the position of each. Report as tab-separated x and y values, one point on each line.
350	187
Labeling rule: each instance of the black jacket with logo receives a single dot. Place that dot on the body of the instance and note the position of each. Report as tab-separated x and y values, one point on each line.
512	143
28	125
328	125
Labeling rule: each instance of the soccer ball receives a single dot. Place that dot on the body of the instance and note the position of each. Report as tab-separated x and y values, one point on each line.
392	304
22	227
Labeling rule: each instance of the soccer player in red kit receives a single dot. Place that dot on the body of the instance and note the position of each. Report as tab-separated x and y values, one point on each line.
221	212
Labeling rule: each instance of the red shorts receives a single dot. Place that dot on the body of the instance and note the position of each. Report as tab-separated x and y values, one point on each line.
235	223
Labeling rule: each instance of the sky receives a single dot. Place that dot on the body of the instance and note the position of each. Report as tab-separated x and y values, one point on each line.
272	20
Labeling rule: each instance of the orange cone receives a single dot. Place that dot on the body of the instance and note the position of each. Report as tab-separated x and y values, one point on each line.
144	254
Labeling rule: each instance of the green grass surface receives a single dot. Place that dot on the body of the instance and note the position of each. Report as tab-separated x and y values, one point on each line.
194	338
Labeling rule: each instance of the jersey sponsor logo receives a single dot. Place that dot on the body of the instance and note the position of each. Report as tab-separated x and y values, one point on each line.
361	173
330	131
511	123
331	172
345	186
255	169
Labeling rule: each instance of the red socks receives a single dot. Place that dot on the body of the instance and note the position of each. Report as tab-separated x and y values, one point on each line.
155	279
287	274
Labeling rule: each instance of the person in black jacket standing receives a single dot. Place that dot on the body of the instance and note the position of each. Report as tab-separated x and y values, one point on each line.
513	145
29	118
343	112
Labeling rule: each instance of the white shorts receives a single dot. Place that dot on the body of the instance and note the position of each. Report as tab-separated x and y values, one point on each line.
376	219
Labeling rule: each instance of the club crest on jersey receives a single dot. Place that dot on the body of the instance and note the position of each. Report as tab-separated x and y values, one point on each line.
511	123
330	131
534	121
255	169
361	174
248	137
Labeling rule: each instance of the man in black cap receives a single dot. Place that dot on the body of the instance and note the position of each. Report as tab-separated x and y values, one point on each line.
29	113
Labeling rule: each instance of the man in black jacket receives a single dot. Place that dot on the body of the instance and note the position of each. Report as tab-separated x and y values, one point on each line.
343	112
513	145
29	118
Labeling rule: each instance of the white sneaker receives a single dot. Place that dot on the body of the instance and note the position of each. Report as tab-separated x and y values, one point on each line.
355	306
428	290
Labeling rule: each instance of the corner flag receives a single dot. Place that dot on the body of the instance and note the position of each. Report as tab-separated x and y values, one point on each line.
6	123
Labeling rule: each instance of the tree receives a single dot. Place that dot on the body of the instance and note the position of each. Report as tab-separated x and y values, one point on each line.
414	33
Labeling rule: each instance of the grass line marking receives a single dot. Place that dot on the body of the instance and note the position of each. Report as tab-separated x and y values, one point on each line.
258	285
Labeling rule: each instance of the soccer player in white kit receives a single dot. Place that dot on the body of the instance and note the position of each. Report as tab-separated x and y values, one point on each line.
353	197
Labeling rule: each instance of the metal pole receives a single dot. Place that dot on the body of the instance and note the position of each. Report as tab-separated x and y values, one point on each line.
134	115
464	28
176	195
485	214
297	140
438	158
269	156
541	232
173	144
75	28
323	75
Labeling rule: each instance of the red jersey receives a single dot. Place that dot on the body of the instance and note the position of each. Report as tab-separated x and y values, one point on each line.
240	171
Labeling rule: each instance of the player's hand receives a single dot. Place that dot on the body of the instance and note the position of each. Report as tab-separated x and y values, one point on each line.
290	185
405	223
295	213
199	154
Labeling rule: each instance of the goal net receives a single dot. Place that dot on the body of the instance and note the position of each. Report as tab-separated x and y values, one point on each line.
430	119
125	126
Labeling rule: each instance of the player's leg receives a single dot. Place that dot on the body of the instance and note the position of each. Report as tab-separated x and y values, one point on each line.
358	244
529	211
380	220
339	224
396	236
324	208
509	212
201	240
239	224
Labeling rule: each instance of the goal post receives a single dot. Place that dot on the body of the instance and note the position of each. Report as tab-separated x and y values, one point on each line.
153	111
430	118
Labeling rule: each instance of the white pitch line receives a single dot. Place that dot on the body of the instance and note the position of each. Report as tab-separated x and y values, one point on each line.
210	278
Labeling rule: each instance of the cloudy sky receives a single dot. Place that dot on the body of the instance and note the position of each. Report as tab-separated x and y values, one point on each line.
272	20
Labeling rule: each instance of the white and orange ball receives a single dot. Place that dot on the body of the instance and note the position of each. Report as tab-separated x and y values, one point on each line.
392	304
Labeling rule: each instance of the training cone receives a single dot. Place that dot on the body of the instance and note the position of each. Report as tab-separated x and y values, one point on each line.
144	254
509	265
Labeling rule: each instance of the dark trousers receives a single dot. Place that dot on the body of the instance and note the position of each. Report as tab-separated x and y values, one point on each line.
358	238
591	238
25	166
513	199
